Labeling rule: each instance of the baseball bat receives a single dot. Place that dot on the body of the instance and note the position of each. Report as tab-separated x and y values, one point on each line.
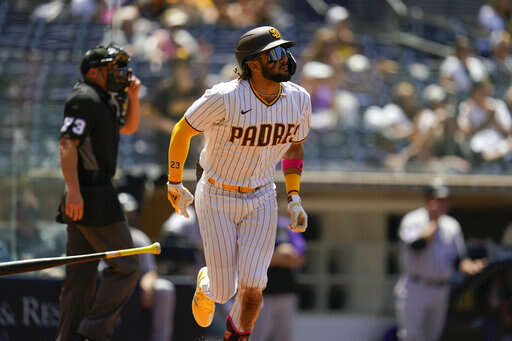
26	265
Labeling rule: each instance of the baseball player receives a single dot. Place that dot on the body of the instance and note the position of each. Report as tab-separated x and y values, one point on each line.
432	245
249	124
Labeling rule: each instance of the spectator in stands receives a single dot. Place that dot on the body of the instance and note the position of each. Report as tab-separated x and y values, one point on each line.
486	123
173	41
129	31
170	101
495	15
318	79
459	71
332	106
500	63
275	322
368	81
246	13
394	123
335	42
434	145
156	293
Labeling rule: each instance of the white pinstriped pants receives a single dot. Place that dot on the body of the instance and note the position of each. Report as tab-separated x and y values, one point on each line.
238	232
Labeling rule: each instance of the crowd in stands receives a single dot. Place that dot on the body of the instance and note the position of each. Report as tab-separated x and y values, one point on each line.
376	104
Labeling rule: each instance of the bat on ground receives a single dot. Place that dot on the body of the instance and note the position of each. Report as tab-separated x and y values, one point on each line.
26	265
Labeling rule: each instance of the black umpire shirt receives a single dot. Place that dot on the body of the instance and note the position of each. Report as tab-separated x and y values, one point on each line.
91	119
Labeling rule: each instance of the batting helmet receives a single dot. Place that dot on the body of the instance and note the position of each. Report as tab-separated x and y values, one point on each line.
261	39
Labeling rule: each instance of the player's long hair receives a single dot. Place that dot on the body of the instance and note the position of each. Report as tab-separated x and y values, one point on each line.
243	74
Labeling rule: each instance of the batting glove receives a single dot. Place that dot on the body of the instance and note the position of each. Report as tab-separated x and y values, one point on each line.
298	217
180	197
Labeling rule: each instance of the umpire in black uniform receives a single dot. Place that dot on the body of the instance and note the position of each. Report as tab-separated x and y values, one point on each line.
103	105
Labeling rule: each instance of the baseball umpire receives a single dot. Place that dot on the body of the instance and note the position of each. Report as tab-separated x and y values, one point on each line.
94	116
249	124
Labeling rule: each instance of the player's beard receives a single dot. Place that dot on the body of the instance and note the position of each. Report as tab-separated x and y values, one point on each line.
276	77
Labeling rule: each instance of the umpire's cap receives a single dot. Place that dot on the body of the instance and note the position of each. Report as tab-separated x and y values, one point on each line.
258	40
102	55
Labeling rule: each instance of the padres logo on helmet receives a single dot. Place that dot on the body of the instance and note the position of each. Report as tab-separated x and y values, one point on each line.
275	33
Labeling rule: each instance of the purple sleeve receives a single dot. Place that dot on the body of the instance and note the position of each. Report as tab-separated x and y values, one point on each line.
298	242
294	238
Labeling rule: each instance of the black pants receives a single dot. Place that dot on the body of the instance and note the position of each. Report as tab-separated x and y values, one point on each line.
83	309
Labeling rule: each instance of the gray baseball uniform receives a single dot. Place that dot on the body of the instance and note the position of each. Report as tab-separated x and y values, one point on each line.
422	293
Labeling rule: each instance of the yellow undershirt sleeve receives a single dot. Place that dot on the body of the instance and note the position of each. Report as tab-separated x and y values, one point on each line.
178	149
292	181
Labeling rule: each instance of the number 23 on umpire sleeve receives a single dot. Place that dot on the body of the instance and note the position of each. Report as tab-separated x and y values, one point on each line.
78	125
174	164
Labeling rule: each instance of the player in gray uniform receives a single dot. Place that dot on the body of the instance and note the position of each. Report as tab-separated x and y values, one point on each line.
432	246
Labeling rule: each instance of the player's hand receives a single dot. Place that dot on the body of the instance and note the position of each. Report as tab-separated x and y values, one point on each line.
74	205
180	197
472	267
298	217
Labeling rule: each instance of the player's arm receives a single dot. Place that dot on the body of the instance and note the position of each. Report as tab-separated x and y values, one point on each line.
291	164
74	205
132	116
178	149
179	145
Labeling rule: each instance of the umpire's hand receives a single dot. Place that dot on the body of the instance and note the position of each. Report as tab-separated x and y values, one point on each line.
298	217
74	205
134	87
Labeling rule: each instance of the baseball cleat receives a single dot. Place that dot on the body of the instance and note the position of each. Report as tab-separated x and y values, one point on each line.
203	308
233	334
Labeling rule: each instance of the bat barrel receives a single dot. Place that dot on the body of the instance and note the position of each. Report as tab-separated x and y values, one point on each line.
15	267
26	265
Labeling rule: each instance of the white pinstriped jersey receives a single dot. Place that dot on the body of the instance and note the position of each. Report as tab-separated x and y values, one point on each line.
244	137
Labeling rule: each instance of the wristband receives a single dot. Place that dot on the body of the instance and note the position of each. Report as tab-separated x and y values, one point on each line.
292	163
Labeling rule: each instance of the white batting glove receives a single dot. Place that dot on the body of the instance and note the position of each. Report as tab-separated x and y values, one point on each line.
180	197
298	217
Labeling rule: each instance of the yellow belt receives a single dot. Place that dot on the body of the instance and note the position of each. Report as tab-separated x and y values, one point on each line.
240	189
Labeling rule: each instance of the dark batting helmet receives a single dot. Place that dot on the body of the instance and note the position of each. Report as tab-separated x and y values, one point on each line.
261	39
